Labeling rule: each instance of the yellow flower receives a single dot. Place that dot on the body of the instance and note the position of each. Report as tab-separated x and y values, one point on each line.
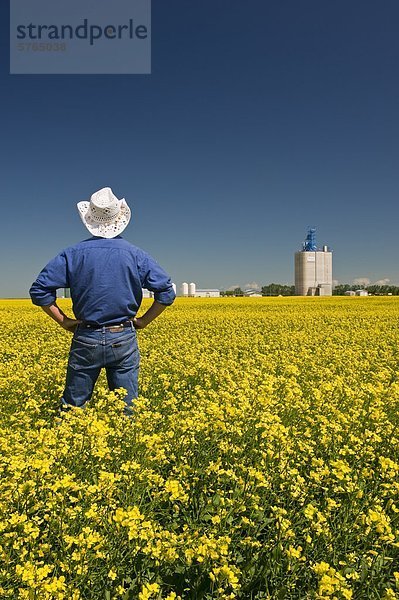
294	552
149	590
389	594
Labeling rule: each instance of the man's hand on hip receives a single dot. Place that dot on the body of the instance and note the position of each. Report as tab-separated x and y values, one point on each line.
70	324
54	311
138	323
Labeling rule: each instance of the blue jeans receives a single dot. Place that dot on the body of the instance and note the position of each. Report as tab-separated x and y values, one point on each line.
93	349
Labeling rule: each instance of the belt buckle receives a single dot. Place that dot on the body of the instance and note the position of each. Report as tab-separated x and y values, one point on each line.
116	328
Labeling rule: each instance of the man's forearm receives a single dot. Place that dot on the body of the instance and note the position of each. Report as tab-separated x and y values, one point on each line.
152	313
54	311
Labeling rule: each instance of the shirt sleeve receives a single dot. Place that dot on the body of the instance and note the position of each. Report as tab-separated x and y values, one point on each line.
156	280
43	291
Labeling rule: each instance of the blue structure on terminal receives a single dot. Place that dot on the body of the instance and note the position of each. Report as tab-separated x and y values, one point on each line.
309	245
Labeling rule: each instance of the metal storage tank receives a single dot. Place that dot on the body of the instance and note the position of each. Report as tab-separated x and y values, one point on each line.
191	289
147	293
174	287
313	269
63	293
184	289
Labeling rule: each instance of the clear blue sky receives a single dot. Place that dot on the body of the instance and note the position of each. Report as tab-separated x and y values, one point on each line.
259	119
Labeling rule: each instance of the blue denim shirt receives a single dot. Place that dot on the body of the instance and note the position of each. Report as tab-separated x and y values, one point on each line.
106	277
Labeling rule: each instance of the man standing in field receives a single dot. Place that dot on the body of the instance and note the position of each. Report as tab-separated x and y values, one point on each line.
105	274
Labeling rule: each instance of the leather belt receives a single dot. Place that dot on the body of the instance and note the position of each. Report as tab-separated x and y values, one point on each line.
128	323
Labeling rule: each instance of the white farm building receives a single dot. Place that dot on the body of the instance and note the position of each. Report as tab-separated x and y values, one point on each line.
190	289
207	293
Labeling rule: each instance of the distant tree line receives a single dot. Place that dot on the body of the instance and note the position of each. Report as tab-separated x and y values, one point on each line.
273	289
236	292
278	289
376	290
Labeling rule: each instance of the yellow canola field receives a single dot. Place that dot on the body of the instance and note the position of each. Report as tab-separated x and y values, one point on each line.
262	461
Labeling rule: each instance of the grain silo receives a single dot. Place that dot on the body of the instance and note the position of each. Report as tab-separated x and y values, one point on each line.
191	289
184	289
313	268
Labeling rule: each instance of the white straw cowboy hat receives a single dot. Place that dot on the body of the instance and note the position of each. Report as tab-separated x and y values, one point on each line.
104	216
